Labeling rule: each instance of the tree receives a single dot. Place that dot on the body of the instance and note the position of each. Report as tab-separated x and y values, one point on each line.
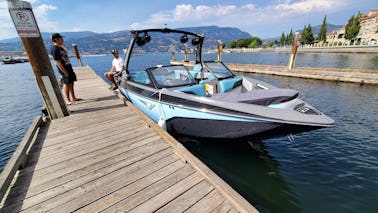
269	44
307	35
353	27
232	44
242	43
311	38
322	36
282	39
304	35
246	42
290	37
257	40
253	44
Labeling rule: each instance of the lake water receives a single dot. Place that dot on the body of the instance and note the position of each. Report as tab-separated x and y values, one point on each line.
327	170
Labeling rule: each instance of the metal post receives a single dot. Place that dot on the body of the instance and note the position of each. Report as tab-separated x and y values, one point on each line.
27	28
294	51
79	64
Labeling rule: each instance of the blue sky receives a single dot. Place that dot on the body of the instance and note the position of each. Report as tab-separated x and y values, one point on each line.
262	18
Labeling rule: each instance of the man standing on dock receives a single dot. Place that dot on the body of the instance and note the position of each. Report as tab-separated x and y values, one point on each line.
59	52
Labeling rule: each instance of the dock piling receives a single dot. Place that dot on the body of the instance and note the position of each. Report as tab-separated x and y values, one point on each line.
79	63
294	50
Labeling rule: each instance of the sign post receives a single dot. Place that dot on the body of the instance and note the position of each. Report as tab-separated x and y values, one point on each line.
23	18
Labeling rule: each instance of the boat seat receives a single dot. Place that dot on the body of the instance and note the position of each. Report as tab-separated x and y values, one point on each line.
198	89
259	97
196	68
210	78
228	84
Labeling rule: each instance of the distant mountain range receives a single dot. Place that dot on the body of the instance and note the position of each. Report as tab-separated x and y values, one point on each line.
100	43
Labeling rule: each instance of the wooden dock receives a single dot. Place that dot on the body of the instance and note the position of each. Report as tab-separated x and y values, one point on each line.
109	157
329	74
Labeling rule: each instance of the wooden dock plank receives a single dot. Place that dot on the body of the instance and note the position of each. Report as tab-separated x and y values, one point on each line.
98	155
109	163
163	197
207	203
189	198
329	74
81	149
108	186
106	157
223	207
77	181
151	190
83	187
111	200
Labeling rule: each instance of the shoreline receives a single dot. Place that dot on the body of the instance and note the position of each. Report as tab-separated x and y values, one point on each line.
372	49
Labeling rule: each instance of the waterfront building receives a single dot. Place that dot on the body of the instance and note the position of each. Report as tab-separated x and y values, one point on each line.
368	34
337	37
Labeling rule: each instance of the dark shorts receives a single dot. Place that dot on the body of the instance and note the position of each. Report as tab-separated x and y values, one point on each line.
70	79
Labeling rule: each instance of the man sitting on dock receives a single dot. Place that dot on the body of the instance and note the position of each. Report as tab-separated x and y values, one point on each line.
116	70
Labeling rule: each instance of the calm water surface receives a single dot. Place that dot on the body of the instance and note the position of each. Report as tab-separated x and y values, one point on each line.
327	170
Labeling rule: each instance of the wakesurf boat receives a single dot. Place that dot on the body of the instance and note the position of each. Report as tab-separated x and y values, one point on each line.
207	99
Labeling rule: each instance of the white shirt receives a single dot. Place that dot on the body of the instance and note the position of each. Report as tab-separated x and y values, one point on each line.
118	64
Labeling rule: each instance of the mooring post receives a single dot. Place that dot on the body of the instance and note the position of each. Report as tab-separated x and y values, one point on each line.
27	28
294	51
220	50
186	59
79	64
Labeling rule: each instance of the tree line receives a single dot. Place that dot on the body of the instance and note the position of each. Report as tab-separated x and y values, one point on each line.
307	36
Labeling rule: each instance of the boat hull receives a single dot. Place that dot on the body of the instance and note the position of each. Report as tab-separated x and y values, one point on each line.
205	128
197	122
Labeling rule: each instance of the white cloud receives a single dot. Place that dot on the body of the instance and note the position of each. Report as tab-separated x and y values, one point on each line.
139	26
41	14
186	14
248	17
249	7
182	11
303	7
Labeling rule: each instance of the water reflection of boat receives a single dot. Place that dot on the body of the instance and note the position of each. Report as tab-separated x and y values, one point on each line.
254	174
209	100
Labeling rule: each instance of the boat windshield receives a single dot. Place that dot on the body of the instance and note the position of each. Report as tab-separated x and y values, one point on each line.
219	70
171	76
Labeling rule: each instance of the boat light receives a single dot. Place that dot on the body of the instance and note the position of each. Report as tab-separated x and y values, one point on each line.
140	41
147	37
184	39
195	41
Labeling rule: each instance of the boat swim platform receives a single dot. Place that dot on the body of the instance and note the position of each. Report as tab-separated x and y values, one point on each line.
110	157
330	74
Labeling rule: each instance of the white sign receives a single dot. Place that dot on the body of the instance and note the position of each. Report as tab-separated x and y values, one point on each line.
25	23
